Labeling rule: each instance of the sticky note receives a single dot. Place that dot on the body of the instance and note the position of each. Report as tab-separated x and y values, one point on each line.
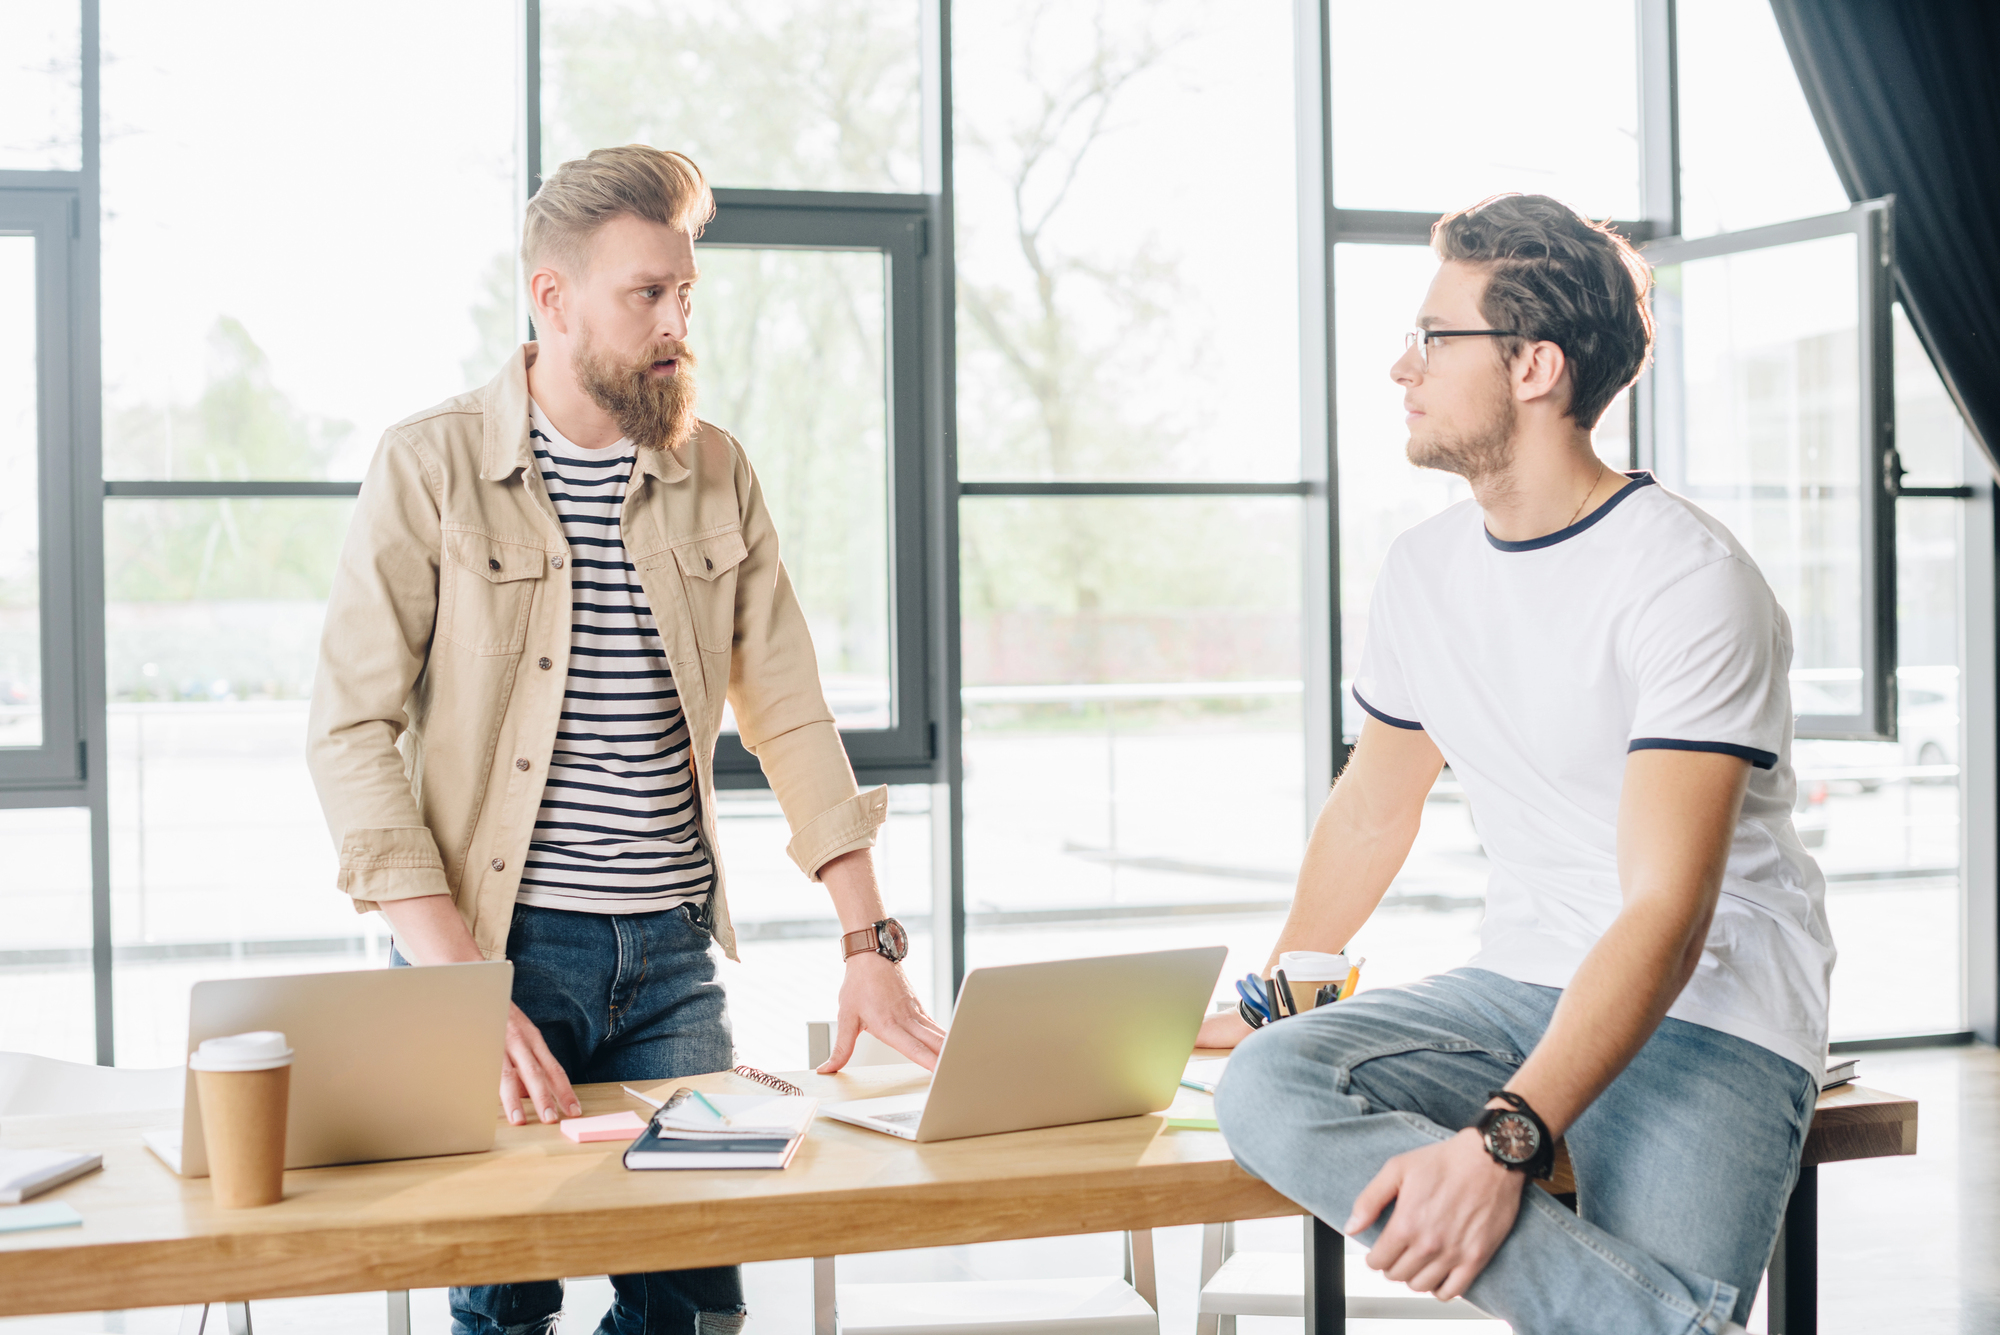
611	1126
1192	1124
42	1214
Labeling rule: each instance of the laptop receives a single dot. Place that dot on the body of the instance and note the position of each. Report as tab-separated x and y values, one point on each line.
388	1064
1034	1045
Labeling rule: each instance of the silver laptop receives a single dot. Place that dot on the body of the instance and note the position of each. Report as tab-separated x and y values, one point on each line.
1035	1045
388	1063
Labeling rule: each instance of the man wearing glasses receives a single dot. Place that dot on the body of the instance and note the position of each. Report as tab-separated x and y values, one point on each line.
1604	669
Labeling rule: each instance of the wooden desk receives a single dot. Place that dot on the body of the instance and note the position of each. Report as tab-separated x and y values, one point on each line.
538	1207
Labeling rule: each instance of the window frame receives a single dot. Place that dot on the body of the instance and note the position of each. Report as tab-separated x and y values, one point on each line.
1871	223
49	211
897	227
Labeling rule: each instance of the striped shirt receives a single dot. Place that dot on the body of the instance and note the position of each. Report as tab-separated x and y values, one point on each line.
618	830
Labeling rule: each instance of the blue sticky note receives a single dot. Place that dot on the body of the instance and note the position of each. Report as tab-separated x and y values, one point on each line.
44	1214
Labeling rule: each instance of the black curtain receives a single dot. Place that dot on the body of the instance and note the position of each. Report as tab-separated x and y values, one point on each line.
1907	96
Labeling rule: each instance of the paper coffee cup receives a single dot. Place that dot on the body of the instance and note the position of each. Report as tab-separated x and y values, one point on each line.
244	1083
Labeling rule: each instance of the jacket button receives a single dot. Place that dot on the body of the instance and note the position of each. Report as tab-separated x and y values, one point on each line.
521	764
544	664
499	864
704	560
556	561
492	563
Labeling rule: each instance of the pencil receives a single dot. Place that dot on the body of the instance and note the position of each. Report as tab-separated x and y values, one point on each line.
723	1116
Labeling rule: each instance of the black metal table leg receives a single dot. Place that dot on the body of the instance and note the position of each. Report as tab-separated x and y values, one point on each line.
1326	1279
1793	1293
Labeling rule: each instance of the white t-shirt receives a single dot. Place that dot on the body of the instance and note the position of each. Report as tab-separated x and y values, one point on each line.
1536	666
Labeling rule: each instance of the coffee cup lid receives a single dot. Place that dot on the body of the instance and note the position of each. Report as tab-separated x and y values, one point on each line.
263	1050
1313	964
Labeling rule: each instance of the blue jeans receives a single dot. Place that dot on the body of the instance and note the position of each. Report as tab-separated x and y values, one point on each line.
1683	1165
617	998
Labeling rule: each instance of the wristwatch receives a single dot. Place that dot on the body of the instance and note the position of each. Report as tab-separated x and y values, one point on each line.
886	938
1516	1137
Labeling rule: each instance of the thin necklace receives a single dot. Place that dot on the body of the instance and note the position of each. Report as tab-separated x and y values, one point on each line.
1587	495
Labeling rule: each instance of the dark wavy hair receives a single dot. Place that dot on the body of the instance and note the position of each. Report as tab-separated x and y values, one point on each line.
1557	276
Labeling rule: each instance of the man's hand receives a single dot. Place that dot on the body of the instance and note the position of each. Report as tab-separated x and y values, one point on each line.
529	1070
878	998
1454	1207
1224	1029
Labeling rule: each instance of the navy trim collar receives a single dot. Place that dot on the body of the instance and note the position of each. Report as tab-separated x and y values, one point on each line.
1639	479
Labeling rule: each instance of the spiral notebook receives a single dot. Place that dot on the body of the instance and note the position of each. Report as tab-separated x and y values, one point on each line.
691	1130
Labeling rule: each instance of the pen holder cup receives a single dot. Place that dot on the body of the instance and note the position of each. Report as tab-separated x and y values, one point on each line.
1305	989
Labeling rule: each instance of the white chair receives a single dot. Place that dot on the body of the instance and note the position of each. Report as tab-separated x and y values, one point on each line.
1089	1306
1237	1284
32	1086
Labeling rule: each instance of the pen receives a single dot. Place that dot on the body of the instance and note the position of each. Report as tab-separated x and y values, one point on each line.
1327	994
1189	1084
1353	977
1271	997
1285	991
720	1115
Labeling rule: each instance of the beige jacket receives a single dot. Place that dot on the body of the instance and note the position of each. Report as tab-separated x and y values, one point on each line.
442	666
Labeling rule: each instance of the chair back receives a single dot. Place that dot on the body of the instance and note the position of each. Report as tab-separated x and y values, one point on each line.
868	1049
32	1086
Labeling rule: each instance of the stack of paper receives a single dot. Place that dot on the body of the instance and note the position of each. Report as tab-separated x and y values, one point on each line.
25	1173
1204	1074
723	1131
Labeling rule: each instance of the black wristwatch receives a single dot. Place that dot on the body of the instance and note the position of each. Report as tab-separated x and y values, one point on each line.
1517	1137
886	938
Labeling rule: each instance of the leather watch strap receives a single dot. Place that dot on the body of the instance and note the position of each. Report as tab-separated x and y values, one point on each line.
861	942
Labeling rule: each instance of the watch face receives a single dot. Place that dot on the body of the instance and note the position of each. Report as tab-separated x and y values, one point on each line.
1512	1137
895	941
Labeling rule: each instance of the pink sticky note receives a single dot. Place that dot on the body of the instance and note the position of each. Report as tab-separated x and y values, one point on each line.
611	1126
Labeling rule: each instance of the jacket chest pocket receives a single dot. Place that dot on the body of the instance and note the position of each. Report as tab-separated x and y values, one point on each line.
708	573
485	590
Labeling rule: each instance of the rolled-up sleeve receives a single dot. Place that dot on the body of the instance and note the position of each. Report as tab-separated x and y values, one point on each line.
380	616
781	711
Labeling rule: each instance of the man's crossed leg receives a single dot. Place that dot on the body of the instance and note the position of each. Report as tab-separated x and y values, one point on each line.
1683	1163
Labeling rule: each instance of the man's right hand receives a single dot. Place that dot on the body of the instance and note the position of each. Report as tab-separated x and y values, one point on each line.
1225	1029
528	1070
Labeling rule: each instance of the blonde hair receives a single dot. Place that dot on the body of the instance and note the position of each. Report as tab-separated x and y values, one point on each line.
585	193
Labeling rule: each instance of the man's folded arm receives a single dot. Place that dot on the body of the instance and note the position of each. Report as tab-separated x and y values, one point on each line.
380	616
1676	820
781	711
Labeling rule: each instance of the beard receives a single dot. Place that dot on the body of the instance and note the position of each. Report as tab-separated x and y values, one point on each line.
1477	454
654	412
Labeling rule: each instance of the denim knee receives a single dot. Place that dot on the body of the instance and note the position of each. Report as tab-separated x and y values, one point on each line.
507	1309
1264	1071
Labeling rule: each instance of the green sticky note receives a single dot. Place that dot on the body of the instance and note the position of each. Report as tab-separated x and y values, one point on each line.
44	1214
1193	1124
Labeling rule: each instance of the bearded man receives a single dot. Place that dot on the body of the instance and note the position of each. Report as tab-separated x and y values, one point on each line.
550	588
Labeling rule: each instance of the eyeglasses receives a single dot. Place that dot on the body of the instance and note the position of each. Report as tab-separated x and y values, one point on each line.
1421	339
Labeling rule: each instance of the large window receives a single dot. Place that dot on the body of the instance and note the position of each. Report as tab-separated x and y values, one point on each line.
779	95
1058	336
1133	631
